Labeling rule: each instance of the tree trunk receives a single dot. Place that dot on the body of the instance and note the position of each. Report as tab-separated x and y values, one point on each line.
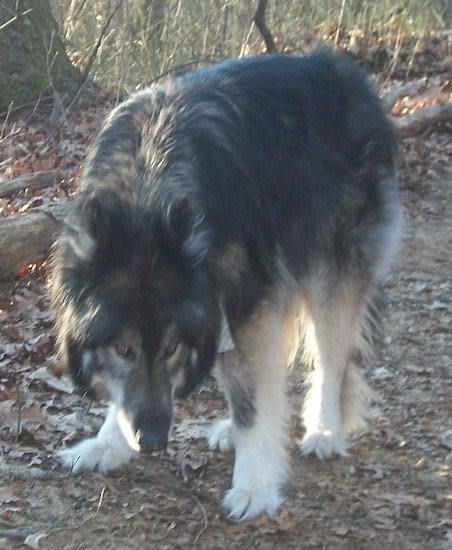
33	55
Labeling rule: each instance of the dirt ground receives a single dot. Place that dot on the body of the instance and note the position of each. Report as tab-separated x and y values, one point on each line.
394	490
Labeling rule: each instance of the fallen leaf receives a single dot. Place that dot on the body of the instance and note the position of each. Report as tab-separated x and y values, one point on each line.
39	344
33	540
188	429
283	521
63	384
29	414
342	530
7	495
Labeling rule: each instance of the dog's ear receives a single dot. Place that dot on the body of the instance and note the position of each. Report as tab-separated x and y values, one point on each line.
97	217
100	213
187	230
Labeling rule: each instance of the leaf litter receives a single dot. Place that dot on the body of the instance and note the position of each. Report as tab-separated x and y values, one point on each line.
393	489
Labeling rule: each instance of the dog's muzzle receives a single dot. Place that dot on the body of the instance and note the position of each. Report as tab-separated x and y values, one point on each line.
150	441
152	429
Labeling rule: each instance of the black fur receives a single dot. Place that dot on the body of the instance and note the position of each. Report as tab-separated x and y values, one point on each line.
286	158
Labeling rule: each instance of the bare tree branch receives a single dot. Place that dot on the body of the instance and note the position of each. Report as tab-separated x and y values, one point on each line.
259	20
15	18
94	52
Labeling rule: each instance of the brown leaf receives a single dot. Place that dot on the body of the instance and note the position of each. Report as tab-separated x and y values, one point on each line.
7	494
62	384
39	344
29	415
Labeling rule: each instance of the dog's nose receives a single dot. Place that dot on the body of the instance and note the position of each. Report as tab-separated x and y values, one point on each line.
150	442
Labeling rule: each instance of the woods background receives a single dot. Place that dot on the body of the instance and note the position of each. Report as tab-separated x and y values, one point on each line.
126	44
64	64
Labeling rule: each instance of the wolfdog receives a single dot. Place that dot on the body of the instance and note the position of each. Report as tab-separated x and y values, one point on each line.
258	194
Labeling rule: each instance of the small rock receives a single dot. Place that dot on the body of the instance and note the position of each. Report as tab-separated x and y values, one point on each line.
445	439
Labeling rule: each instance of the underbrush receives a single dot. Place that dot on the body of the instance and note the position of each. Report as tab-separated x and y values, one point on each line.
140	41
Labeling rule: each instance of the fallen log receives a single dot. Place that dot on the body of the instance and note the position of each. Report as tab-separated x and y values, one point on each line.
38	180
416	123
26	238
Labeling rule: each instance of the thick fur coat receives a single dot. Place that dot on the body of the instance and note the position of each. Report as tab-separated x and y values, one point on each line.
260	192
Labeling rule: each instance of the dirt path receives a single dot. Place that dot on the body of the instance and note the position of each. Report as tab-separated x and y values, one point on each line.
393	490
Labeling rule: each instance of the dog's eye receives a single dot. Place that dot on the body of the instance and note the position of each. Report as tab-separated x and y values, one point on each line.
124	351
171	348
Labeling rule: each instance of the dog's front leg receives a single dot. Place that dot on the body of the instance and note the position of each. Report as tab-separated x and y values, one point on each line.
254	385
107	451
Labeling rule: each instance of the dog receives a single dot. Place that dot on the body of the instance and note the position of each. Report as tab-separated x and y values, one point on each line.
258	194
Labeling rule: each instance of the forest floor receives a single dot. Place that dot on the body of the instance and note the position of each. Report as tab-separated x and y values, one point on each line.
393	490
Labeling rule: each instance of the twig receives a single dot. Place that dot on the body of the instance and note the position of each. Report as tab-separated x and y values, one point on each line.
101	498
35	102
72	466
259	20
5	122
178	68
92	516
15	18
19	405
206	523
339	24
94	53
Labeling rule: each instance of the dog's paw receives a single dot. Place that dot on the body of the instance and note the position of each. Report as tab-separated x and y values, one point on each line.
93	454
244	503
219	435
324	444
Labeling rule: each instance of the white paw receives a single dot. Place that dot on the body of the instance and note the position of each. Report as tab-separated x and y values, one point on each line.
219	435
94	454
245	503
324	444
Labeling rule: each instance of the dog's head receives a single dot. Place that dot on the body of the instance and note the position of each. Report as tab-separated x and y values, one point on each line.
137	316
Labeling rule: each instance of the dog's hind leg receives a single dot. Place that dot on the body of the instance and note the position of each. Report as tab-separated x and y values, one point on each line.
107	451
333	318
254	383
